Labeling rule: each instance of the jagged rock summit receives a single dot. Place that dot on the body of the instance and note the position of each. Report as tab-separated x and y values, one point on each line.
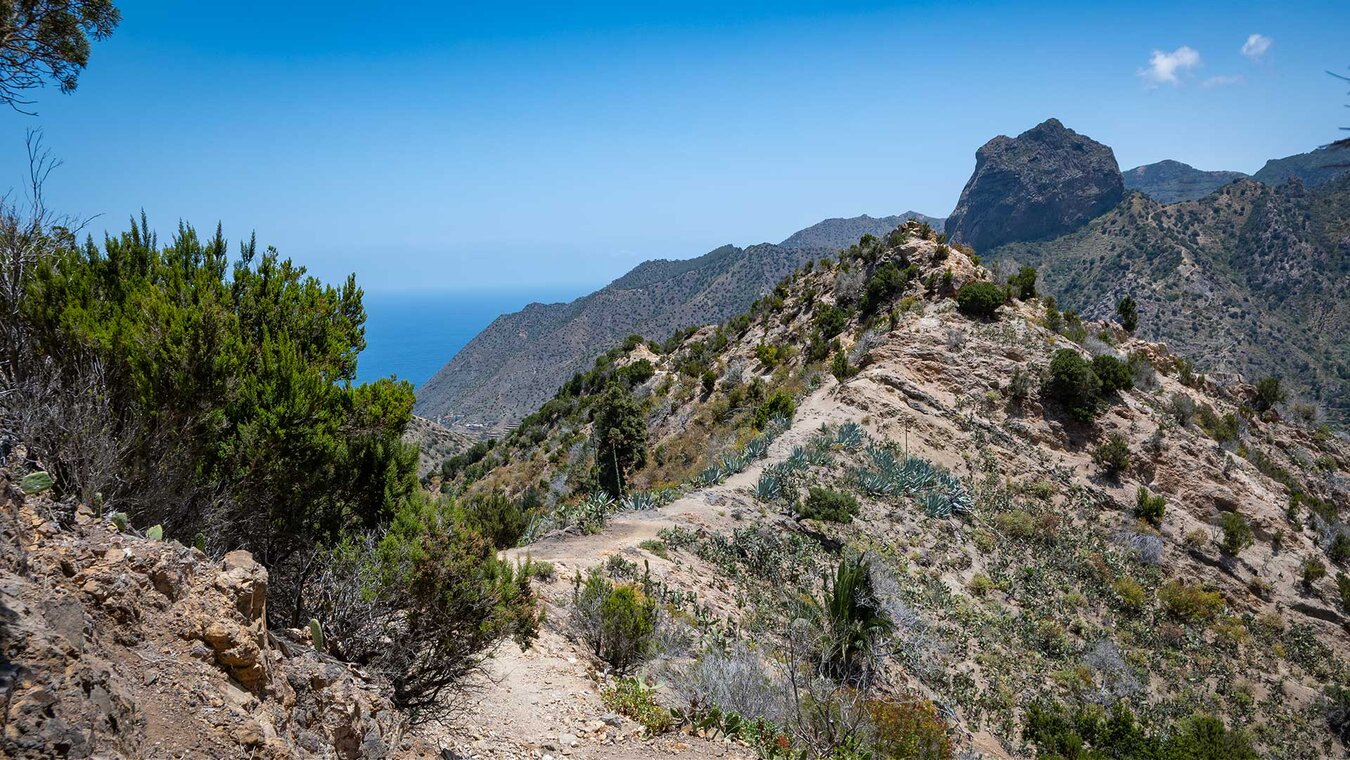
1045	182
1171	181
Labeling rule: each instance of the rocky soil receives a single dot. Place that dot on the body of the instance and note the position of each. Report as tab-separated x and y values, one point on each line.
118	646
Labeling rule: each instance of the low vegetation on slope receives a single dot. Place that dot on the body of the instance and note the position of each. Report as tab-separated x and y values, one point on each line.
169	390
1018	532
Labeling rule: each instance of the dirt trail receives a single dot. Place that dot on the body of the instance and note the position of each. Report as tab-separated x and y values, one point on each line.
546	702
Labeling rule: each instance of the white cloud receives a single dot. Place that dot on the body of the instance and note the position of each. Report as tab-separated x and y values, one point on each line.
1166	68
1256	46
1223	80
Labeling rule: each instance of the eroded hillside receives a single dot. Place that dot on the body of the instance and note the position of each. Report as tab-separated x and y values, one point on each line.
1169	559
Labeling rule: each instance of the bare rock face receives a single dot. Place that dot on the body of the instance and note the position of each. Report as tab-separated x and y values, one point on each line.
117	646
1043	183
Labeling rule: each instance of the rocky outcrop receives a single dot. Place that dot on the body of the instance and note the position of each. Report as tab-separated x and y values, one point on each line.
1043	183
117	646
1172	181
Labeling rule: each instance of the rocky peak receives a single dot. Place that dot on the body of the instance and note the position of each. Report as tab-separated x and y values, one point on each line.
1045	182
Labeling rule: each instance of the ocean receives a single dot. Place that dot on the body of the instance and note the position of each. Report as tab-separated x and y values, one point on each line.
411	335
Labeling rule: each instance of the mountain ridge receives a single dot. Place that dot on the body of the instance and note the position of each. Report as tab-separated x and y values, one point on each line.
521	358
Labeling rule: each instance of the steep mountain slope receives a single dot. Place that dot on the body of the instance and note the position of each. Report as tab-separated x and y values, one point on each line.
1047	181
519	360
1172	181
1250	280
1017	573
1312	168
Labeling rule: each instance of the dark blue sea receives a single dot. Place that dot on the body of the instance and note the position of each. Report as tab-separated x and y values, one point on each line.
411	335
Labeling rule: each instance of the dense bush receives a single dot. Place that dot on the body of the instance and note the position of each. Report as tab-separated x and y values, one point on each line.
884	285
1114	374
225	390
1094	733
1113	456
638	372
1237	533
435	587
779	404
980	299
909	730
847	618
1023	283
1149	507
620	439
499	519
829	505
617	621
1269	392
1128	312
1073	384
830	320
1189	603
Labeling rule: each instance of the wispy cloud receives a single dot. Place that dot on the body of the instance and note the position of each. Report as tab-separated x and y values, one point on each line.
1256	46
1167	68
1223	80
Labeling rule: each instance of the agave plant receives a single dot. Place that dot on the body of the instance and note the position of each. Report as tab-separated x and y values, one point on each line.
796	460
850	436
818	454
874	483
769	487
639	501
757	447
712	476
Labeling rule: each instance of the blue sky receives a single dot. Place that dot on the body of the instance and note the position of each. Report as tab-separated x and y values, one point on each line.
519	145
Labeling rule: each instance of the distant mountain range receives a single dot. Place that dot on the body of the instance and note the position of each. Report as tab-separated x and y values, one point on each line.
1172	181
519	361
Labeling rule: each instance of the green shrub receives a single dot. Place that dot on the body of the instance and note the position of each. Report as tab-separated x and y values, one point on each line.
779	404
499	519
1188	603
620	437
1113	456
1023	283
439	590
908	730
829	505
618	622
1072	383
848	618
885	284
237	381
657	547
830	320
1130	593
1339	551
1237	533
1128	312
841	368
1149	507
1343	585
638	372
1269	392
980	299
1114	374
1313	571
709	380
629	696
